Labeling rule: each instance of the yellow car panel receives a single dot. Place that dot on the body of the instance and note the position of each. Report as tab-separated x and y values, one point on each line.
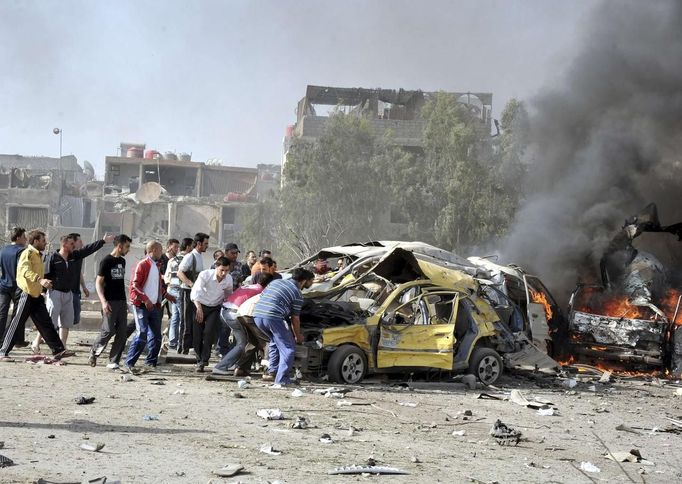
416	345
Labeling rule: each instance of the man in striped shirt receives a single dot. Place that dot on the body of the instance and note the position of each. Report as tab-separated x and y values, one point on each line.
280	300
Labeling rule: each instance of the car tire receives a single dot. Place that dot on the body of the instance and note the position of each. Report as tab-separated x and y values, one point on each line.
348	364
486	365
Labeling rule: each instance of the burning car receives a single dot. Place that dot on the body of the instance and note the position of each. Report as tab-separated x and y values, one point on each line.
408	313
632	321
542	317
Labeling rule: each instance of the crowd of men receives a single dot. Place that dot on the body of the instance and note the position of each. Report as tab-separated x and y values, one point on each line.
233	308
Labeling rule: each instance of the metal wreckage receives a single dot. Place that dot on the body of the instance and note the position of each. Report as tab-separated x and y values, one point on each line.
633	320
402	307
409	307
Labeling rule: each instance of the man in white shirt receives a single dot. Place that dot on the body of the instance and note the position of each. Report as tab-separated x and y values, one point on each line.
208	293
188	270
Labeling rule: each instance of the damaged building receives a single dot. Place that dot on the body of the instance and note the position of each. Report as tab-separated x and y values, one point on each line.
144	194
394	111
191	196
48	193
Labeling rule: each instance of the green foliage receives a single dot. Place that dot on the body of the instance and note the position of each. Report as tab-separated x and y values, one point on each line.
458	192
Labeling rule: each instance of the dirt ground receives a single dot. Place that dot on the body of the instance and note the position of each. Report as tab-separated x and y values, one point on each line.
203	425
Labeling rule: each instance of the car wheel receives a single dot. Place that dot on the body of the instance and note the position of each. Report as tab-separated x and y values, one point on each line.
348	364
486	365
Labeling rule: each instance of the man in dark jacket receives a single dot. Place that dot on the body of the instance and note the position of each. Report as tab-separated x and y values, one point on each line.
9	256
61	269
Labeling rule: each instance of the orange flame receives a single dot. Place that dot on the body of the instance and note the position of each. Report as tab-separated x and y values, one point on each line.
593	301
541	298
669	305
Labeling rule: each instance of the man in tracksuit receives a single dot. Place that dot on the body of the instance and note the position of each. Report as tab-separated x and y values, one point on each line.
282	299
31	280
9	256
147	290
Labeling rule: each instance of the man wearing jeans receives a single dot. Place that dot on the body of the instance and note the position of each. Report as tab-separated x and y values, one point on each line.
146	293
208	293
229	317
280	300
172	281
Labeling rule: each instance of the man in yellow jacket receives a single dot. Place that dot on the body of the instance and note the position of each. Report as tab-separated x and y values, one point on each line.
31	281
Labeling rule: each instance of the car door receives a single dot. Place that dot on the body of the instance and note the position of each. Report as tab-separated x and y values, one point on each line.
412	336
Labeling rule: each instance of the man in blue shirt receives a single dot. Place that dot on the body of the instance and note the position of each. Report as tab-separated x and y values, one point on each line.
8	283
280	300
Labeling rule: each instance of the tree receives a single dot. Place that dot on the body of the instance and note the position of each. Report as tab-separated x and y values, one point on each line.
334	190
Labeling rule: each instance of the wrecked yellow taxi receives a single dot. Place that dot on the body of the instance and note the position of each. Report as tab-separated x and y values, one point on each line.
410	313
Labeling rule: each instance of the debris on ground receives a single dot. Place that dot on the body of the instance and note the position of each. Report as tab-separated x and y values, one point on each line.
297	393
300	423
589	467
243	384
546	412
84	400
569	383
149	418
269	449
5	461
458	433
505	435
367	470
407	404
229	470
632	456
270	414
326	439
92	448
126	377
536	404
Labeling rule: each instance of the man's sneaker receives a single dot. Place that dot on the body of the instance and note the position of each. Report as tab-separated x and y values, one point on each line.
113	366
240	372
268	377
199	368
277	386
131	369
218	371
92	360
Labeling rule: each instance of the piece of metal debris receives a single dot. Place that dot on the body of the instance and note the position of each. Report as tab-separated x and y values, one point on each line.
5	461
84	400
505	435
92	448
367	470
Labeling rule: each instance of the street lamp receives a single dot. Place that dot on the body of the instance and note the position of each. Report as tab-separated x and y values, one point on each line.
59	132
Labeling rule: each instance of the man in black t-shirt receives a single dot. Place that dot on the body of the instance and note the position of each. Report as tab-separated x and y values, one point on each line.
112	294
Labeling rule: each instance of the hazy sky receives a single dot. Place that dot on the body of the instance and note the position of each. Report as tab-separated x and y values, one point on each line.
221	79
